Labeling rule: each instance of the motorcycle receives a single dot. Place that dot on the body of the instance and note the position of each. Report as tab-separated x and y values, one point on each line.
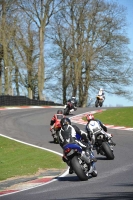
99	101
79	161
57	127
102	142
69	107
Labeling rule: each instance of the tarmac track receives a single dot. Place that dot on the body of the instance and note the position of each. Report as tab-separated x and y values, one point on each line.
114	179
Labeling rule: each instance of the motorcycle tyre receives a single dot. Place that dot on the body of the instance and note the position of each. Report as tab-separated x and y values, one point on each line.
66	111
96	103
100	104
109	154
78	170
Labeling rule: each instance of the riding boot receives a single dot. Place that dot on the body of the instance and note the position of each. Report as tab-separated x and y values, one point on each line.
70	170
54	135
90	153
68	163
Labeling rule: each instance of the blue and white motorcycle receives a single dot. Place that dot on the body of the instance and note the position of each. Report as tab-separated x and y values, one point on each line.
79	161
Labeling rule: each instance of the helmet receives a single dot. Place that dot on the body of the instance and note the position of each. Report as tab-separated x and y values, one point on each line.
73	99
89	117
59	112
65	121
101	89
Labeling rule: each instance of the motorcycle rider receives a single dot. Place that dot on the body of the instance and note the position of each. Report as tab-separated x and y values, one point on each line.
101	93
73	100
57	116
90	118
69	131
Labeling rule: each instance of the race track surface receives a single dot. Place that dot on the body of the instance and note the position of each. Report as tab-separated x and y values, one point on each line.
114	179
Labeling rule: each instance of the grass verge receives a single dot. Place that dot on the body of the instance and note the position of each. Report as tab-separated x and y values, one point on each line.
18	159
117	116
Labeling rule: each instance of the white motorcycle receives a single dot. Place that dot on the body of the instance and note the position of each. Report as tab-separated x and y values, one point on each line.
99	101
102	142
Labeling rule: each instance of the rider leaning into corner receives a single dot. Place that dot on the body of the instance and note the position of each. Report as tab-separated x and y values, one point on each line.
69	131
73	100
55	117
90	118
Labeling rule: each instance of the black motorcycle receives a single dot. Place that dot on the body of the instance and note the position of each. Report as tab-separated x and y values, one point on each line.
69	107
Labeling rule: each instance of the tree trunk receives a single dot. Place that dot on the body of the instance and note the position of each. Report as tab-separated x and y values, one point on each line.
4	44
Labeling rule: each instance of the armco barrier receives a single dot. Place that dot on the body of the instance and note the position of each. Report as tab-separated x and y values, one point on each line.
7	100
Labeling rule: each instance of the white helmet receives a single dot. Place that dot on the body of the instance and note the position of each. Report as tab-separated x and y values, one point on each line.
101	89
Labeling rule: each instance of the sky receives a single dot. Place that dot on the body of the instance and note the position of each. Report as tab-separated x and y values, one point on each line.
113	100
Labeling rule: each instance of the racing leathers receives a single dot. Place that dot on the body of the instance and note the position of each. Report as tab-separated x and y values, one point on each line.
100	124
101	94
56	117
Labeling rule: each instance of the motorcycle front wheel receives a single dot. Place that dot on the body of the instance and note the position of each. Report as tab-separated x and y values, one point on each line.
100	104
108	152
78	170
96	103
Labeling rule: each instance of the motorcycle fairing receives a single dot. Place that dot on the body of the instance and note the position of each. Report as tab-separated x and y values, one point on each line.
73	146
78	136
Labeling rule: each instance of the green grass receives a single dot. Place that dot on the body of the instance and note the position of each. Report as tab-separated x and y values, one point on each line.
18	159
117	116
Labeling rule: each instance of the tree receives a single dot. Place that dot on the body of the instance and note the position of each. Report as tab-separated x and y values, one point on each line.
40	12
1	58
96	48
7	33
5	44
27	45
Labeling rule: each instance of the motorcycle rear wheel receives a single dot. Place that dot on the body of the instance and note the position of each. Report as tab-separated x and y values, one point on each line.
108	152
66	111
78	170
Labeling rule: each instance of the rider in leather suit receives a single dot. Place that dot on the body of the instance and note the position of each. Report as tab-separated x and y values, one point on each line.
69	131
89	118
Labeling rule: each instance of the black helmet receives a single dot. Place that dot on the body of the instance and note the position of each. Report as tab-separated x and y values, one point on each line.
65	121
59	112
